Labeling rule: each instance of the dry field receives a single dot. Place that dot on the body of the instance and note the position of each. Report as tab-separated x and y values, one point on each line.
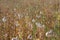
29	19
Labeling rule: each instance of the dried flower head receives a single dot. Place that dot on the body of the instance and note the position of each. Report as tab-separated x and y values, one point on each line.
14	38
33	20
29	36
49	33
4	19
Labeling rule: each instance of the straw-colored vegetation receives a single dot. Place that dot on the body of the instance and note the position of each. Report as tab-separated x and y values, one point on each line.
29	20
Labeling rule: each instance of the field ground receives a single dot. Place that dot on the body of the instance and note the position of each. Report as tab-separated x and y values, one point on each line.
29	19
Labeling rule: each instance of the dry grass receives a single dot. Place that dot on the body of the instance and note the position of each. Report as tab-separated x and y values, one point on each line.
29	19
